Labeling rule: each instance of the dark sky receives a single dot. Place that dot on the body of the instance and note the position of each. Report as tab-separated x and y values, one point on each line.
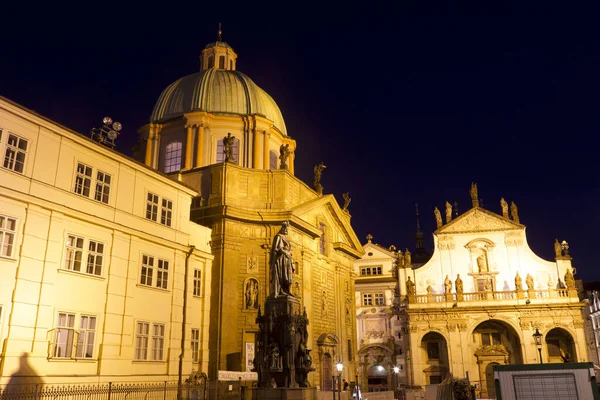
403	103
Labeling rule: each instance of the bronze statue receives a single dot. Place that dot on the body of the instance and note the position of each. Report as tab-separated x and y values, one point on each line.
458	284
504	206
284	153
569	279
514	212
447	285
282	266
347	200
474	194
318	170
518	282
448	212
557	248
438	218
410	287
228	142
529	282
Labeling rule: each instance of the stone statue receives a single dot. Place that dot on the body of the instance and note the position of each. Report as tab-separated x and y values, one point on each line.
273	356
557	248
518	282
317	183
407	258
252	294
529	282
458	284
482	263
474	194
438	218
429	289
447	285
284	153
488	285
448	212
410	287
228	142
514	212
400	258
504	206
347	200
281	263
569	279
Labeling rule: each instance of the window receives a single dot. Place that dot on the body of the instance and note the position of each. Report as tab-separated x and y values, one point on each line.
322	243
367	299
488	339
162	272
230	64
166	209
158	342
222	62
63	339
75	255
195	344
553	347
367	271
433	350
86	336
211	62
173	154
14	156
8	230
234	151
197	281
435	379
83	183
379	299
141	340
273	160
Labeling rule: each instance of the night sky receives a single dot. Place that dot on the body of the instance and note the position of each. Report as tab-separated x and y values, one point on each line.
404	104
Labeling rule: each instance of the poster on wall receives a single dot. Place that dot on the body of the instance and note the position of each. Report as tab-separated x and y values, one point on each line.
249	356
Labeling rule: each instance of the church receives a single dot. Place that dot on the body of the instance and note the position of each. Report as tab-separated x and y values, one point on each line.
484	298
219	133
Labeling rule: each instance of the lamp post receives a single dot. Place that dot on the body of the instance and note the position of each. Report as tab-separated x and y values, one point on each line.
339	367
396	370
537	336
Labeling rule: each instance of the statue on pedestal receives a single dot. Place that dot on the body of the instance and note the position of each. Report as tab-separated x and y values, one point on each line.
407	258
458	284
228	142
438	218
318	170
529	282
557	248
514	212
284	153
282	265
474	194
448	212
504	206
447	285
410	287
569	279
518	282
347	200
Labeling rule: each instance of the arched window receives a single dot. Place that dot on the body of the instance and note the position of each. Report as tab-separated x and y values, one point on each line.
272	160
211	62
222	62
234	151
173	153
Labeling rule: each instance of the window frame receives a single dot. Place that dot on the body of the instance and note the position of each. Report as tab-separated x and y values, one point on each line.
149	264
173	152
159	209
195	344
10	162
197	283
70	338
86	255
85	334
5	232
95	186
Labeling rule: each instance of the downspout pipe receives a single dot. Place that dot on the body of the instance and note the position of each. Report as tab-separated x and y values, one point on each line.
184	319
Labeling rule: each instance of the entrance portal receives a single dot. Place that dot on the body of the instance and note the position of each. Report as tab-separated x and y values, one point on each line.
489	380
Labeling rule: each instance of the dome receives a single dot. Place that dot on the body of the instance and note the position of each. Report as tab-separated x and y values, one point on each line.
217	91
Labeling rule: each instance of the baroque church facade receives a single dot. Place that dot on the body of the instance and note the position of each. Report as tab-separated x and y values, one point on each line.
219	133
481	298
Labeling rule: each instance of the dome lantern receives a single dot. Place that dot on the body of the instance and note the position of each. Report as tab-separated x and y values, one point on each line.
218	55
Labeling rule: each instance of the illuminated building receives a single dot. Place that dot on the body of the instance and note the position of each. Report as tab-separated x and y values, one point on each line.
94	252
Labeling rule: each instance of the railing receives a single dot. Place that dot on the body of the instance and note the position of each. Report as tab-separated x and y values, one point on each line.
108	391
568	295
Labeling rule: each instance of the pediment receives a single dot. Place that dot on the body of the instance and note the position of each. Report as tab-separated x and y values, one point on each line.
478	219
378	251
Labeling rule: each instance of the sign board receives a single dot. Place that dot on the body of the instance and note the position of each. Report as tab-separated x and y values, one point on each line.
237	375
249	356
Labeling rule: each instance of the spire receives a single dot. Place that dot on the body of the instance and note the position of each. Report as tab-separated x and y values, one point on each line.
418	234
220	34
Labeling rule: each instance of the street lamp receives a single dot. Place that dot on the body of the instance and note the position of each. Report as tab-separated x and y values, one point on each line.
339	367
537	336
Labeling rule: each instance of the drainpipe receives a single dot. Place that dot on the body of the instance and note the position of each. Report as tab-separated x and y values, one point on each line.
183	321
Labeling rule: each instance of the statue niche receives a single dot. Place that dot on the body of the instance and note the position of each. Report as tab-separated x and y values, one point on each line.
482	263
250	294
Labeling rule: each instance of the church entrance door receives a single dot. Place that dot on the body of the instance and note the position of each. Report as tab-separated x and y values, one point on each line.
489	380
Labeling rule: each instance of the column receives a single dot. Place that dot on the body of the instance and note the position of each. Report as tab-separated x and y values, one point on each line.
266	152
200	146
256	150
291	162
148	158
188	148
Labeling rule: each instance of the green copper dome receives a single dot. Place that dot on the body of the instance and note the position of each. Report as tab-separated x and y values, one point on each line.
216	91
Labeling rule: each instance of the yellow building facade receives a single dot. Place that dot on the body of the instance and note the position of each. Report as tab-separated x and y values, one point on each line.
98	258
481	298
244	197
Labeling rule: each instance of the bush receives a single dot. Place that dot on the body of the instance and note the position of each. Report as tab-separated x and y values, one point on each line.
461	389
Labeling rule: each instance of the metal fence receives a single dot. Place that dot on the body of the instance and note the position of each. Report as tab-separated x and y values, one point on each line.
108	391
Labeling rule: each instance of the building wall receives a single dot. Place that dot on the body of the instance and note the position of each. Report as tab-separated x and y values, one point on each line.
245	208
39	283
